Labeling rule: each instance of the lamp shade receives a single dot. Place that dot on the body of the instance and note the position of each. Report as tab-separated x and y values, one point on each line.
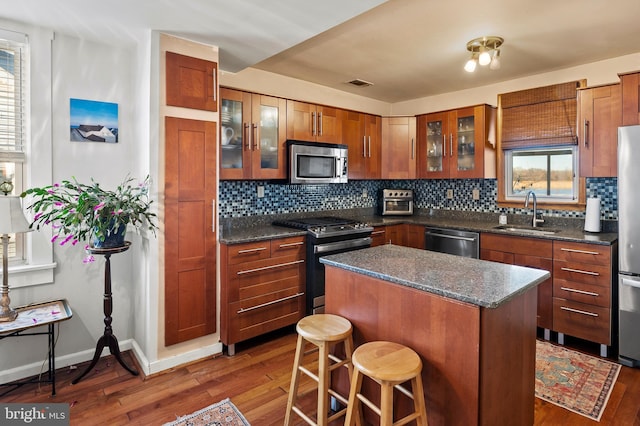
12	218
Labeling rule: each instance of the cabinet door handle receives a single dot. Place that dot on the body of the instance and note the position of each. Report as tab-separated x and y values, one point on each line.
578	311
273	302
319	124
413	149
247	137
215	84
364	146
369	146
579	251
579	271
575	290
253	250
585	133
266	268
313	123
254	129
444	145
451	145
213	215
299	243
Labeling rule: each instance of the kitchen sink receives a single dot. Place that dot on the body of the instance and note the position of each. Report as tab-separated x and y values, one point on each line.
519	229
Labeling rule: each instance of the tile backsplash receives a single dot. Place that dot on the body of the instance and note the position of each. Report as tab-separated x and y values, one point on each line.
239	198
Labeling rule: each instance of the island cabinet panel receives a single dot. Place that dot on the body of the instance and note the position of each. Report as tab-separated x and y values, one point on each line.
262	287
582	290
530	252
469	374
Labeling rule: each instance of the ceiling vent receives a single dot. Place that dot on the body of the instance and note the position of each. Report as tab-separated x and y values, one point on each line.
360	83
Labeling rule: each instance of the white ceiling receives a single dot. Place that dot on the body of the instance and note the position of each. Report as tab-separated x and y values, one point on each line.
408	48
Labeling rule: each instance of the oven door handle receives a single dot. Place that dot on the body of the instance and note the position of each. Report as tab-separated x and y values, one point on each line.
453	237
341	245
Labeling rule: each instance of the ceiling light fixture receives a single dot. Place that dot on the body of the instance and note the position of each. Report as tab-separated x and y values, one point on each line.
485	51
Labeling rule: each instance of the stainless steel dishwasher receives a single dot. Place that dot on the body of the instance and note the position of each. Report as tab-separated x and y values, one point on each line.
461	243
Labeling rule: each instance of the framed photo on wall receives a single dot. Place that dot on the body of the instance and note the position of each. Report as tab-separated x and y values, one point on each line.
93	121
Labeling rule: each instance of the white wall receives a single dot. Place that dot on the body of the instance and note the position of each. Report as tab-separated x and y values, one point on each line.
85	70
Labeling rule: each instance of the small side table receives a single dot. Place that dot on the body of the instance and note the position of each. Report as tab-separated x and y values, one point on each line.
107	339
32	316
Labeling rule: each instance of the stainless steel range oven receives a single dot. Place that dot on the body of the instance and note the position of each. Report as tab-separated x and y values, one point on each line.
326	235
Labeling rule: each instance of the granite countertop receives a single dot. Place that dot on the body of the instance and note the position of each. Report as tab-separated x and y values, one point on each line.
242	230
481	283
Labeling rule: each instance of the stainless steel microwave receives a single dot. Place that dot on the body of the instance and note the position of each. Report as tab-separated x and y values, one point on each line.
315	162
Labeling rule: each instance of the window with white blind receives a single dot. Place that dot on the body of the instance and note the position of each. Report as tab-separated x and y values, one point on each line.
13	99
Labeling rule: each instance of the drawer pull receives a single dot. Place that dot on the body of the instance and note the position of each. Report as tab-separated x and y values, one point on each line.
273	302
377	232
299	243
595	274
578	311
573	290
265	268
579	251
253	250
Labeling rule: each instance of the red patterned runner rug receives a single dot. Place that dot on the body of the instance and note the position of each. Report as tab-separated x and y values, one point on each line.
223	413
578	382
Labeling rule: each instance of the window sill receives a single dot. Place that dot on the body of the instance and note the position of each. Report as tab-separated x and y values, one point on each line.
30	275
575	206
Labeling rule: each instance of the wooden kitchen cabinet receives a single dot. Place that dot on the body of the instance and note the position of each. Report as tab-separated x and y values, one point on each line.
530	252
582	291
378	236
262	287
362	134
630	98
253	136
414	236
399	148
457	144
599	116
314	123
191	82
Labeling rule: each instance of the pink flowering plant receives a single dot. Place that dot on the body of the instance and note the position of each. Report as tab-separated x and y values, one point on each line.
78	212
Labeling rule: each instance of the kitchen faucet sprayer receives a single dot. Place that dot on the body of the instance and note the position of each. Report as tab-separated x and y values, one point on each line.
535	221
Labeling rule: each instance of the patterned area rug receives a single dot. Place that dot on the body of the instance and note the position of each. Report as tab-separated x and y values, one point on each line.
223	413
578	382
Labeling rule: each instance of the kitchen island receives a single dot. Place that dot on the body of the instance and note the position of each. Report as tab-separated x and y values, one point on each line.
472	322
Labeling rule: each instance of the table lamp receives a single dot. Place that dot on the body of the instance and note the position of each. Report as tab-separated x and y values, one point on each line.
12	221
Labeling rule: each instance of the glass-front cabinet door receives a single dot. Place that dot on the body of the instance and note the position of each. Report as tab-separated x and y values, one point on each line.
252	136
466	143
235	121
434	145
268	136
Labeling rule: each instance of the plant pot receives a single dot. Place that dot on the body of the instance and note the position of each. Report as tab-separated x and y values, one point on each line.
112	238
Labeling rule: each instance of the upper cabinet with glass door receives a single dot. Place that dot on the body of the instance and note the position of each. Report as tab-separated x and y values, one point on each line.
457	144
252	135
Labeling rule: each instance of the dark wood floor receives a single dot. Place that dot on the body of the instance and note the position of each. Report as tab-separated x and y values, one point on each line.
257	381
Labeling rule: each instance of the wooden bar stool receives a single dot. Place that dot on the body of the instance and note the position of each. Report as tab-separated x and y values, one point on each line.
388	364
324	331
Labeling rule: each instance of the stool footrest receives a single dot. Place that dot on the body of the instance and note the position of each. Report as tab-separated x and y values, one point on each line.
404	391
303	415
337	396
309	373
370	404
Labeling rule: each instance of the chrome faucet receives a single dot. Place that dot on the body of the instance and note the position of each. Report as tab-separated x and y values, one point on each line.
535	221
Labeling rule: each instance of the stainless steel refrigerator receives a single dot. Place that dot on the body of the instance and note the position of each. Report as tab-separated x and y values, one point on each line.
629	245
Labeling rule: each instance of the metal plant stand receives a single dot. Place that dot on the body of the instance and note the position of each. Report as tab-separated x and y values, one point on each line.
107	339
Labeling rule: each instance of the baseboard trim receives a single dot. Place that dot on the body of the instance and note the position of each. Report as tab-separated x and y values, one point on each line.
158	366
148	367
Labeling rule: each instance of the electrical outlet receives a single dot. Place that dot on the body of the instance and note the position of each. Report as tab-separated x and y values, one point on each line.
475	194
449	194
260	191
364	192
